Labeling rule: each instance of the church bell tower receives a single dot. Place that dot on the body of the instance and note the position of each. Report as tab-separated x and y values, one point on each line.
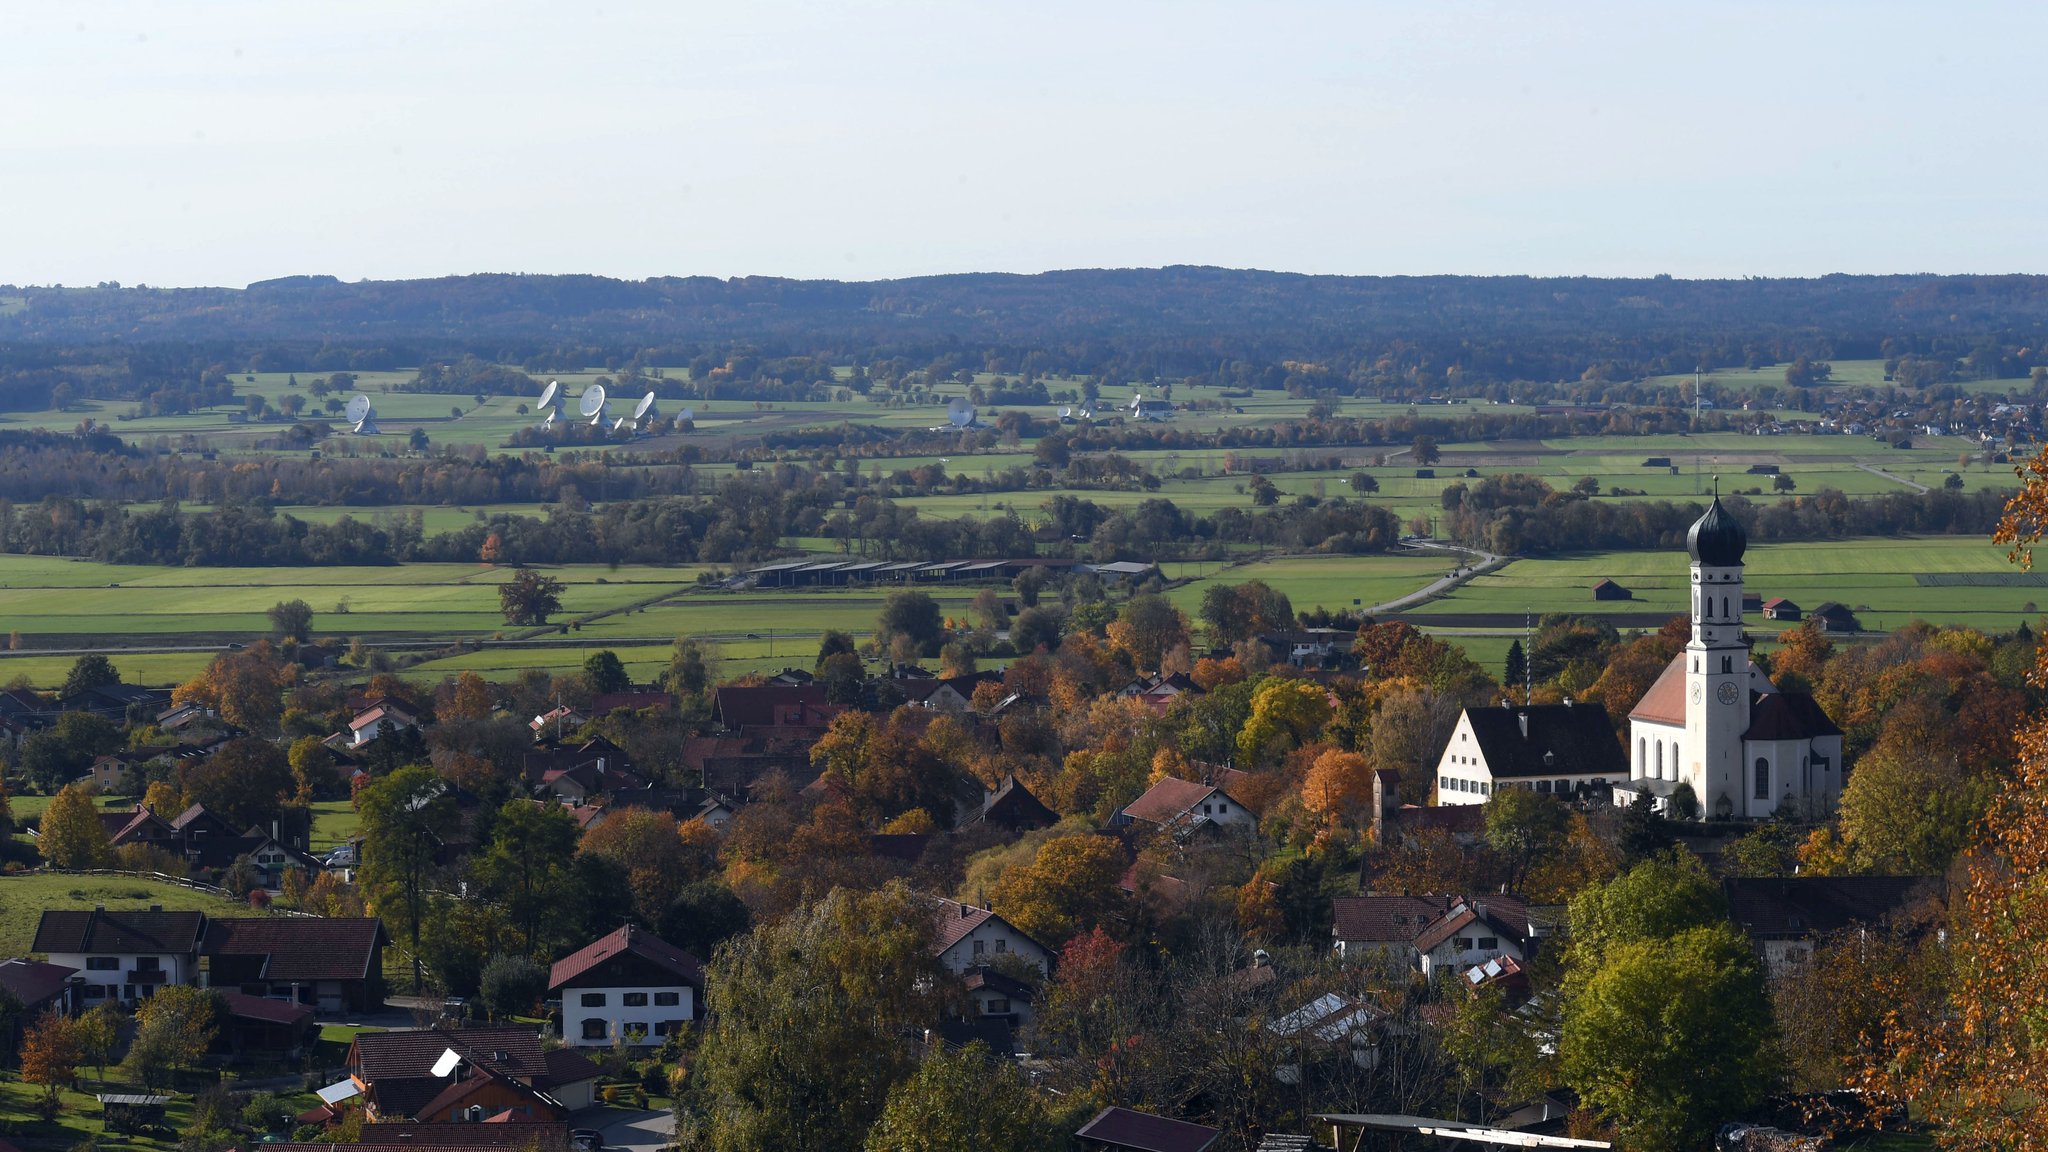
1717	697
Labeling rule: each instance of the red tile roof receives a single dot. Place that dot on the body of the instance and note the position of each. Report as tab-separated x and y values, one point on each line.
627	941
1168	800
135	933
302	947
31	982
1143	1132
1664	703
267	1010
1384	919
956	921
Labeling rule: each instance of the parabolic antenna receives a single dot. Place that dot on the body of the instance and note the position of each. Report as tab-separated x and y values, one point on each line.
960	413
687	414
619	423
358	408
446	1063
644	409
1066	413
592	403
550	421
548	394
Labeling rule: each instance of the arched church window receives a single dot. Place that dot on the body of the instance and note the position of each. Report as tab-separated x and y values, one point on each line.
1763	778
1727	664
1724	606
1642	757
1660	760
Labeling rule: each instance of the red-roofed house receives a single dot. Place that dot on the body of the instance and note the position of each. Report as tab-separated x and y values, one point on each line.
385	718
333	964
1123	1130
626	986
396	1073
260	1024
968	937
1183	805
37	987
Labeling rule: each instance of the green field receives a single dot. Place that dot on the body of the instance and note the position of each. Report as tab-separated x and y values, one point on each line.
24	896
1875	578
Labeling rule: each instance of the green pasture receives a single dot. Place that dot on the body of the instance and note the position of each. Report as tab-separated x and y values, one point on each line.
334	821
1857	374
1874	577
41	598
1333	582
25	895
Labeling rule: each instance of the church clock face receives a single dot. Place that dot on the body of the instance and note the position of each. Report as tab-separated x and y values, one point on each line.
1726	692
1698	693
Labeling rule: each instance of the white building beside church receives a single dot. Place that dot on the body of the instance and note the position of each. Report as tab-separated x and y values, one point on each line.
1715	722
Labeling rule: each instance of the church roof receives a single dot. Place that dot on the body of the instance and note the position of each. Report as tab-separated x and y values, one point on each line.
1717	538
1557	739
1664	703
1788	716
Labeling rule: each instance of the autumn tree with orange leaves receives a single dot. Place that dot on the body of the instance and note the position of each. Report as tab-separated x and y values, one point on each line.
1975	1059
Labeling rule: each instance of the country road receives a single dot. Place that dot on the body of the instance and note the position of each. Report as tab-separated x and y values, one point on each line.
1915	485
1487	562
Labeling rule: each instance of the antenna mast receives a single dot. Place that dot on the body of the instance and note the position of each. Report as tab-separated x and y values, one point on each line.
1528	661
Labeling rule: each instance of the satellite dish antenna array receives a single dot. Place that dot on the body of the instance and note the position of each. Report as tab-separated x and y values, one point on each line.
550	394
644	410
960	414
361	417
591	404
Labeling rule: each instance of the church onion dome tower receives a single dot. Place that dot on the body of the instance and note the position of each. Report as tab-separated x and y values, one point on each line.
1717	539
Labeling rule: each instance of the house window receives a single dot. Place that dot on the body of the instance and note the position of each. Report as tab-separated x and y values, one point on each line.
103	963
1489	943
634	999
1763	778
593	1030
667	999
1464	943
1002	946
1205	810
978	946
146	963
591	1000
636	1032
1543	785
1444	783
1000	1006
1485	789
95	991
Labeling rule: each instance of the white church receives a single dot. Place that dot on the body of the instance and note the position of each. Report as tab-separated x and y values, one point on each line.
1714	721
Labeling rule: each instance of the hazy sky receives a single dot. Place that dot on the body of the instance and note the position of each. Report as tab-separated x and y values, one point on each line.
218	143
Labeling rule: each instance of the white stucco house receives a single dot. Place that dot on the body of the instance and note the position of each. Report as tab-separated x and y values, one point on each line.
628	986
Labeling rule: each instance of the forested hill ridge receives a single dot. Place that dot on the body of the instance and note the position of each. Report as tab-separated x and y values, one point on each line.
1136	322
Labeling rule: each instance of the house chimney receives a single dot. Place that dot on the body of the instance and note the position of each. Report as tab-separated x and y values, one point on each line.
1567	701
966	910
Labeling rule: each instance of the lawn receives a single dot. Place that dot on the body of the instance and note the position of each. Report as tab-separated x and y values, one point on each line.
1333	582
24	896
78	1124
334	822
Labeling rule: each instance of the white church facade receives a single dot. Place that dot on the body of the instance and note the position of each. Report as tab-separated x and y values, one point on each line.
1715	722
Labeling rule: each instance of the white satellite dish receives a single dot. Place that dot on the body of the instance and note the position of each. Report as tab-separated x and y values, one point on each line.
445	1064
367	426
1066	413
644	409
621	422
548	394
687	414
358	407
960	413
592	404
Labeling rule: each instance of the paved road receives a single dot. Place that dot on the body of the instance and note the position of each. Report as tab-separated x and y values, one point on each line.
639	1131
1913	484
1485	563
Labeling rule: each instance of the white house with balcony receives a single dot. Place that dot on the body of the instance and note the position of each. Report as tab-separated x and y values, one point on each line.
628	986
122	956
